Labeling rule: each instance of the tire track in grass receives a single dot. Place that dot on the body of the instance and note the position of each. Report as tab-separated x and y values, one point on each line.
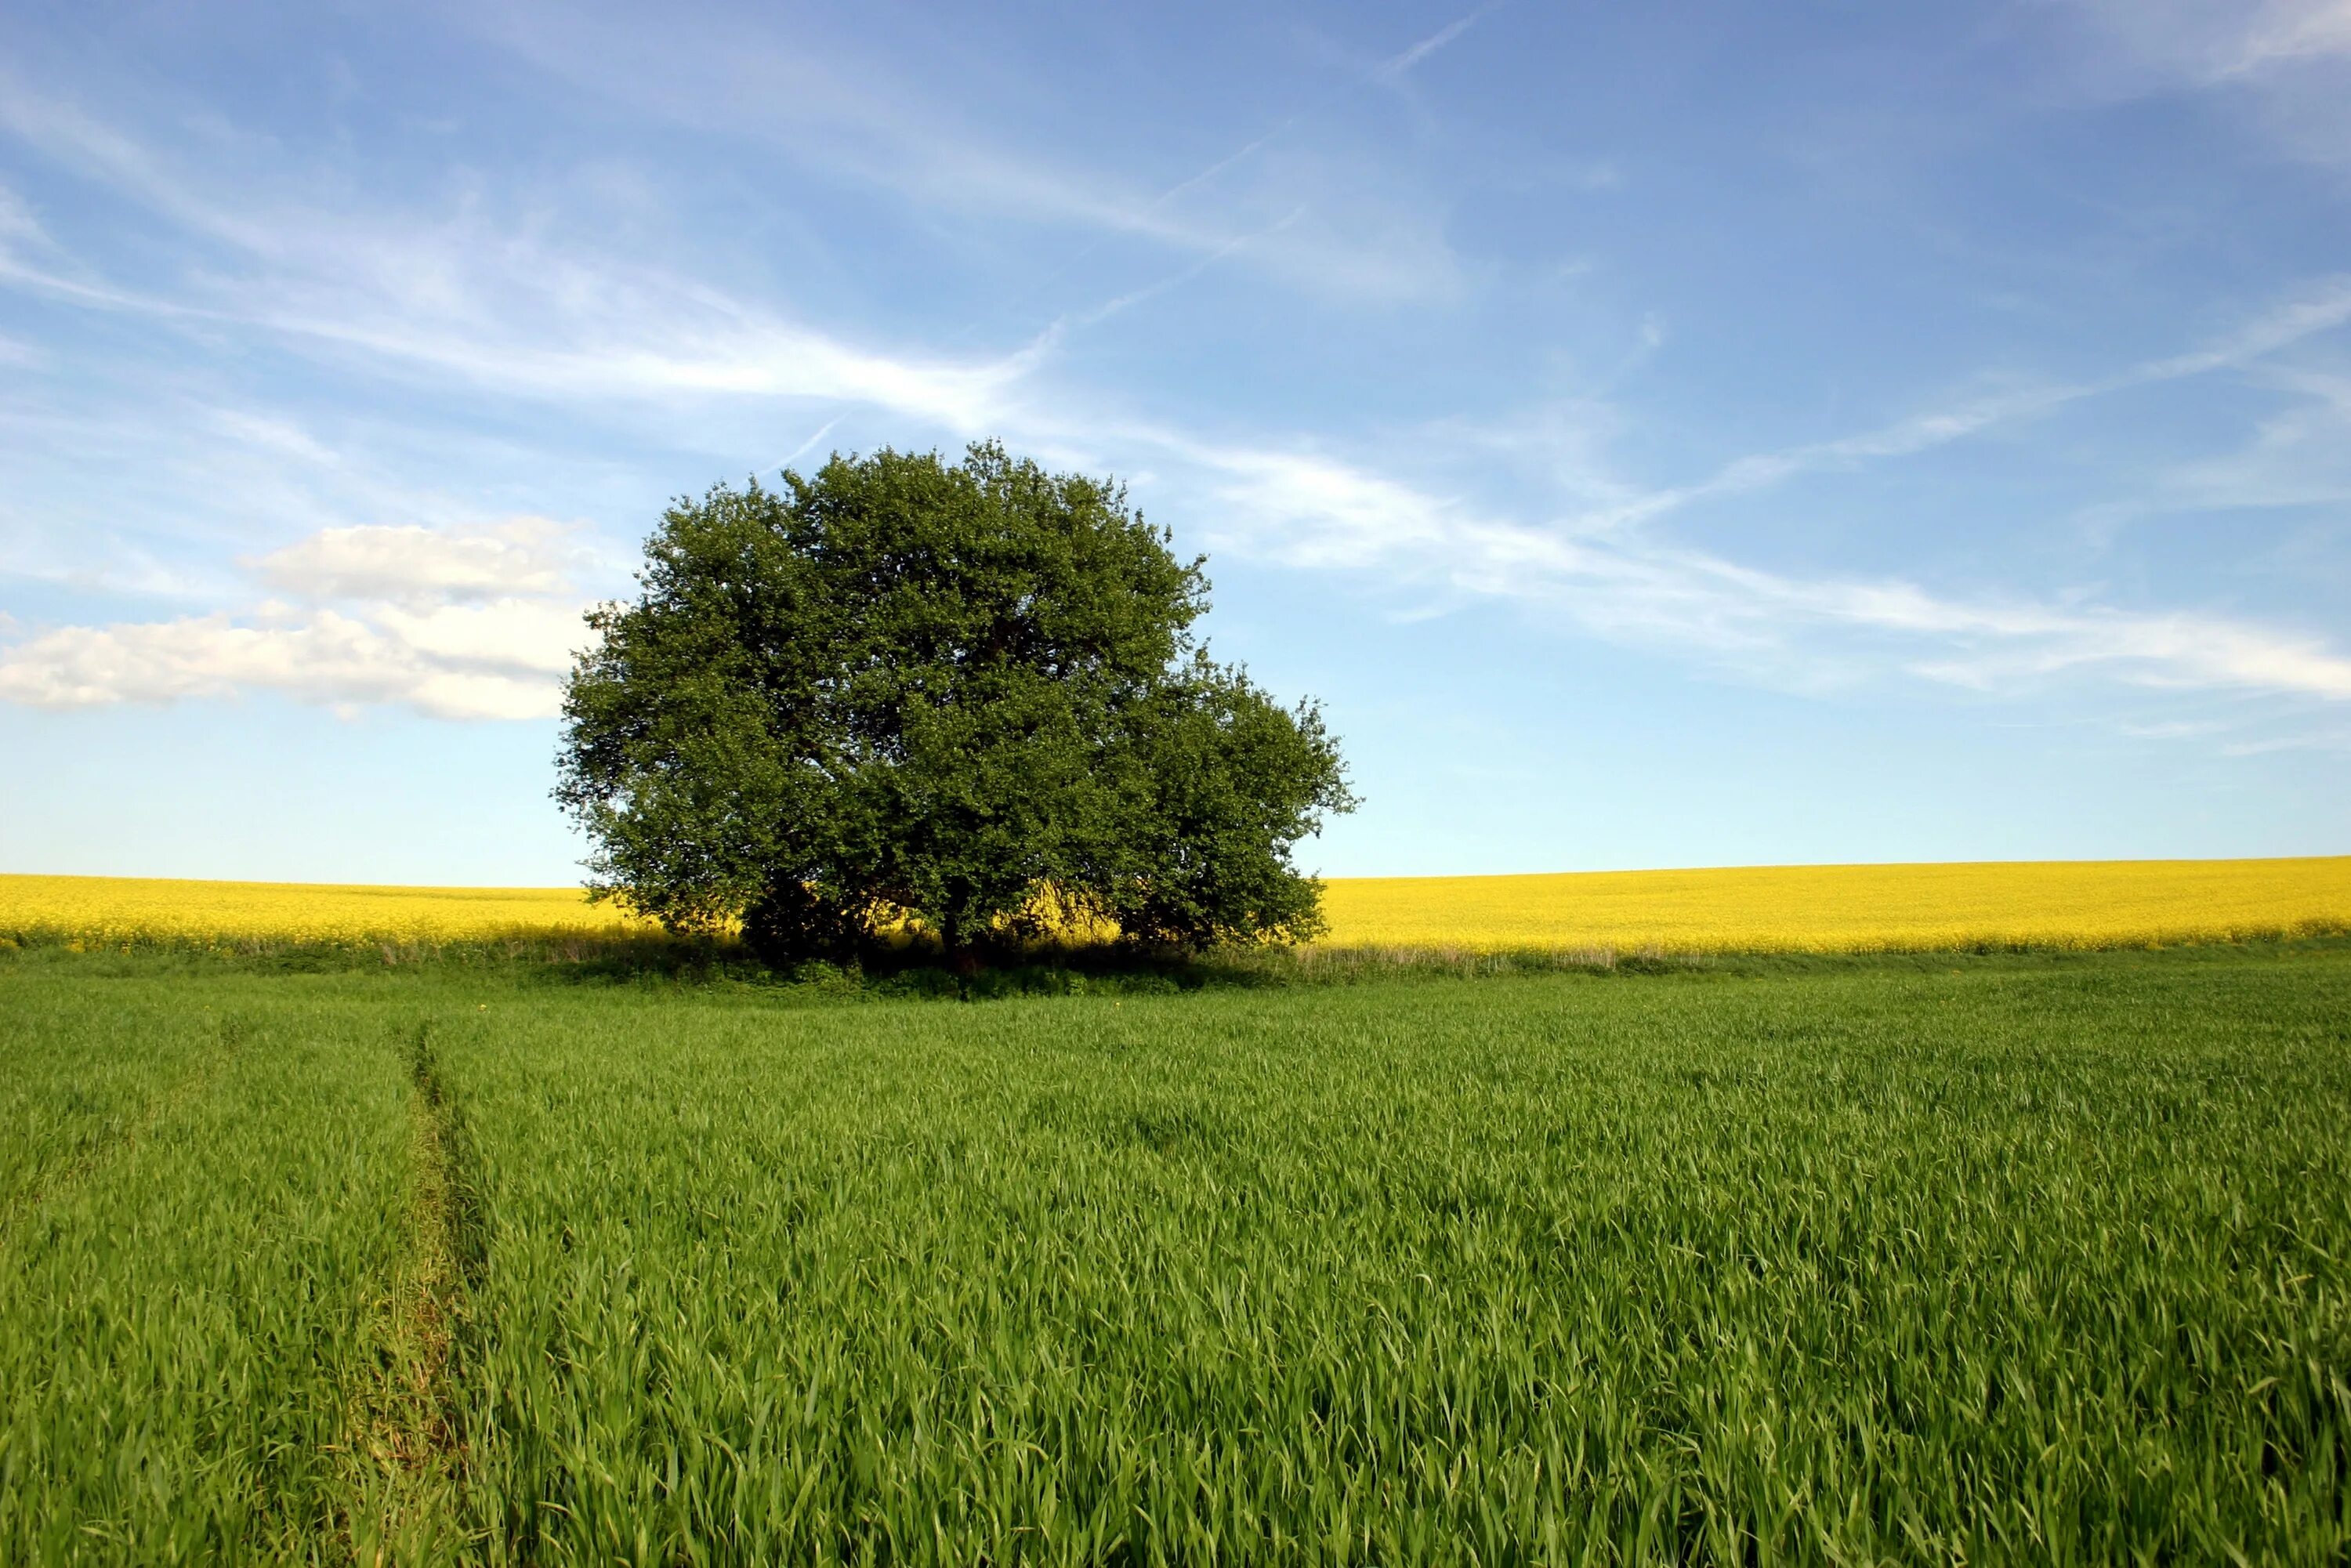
187	1088
408	1438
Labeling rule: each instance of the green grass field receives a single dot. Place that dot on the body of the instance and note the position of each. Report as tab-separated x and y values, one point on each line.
2024	1259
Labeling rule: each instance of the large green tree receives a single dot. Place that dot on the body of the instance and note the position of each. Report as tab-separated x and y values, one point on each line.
969	693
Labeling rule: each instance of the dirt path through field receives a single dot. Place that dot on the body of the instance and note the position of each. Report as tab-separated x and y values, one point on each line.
407	1443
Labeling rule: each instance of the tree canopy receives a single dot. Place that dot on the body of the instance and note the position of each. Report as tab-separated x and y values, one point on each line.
967	693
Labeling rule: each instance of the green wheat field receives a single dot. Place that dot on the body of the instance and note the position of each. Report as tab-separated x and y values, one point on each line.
1929	1258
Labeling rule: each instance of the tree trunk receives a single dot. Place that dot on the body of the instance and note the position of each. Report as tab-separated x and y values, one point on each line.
959	957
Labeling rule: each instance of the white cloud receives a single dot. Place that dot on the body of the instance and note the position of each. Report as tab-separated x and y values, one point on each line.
536	636
329	658
519	556
467	624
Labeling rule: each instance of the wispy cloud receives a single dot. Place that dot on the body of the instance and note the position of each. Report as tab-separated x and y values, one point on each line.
875	123
463	622
2298	457
1404	60
2317	740
2293	30
2290	61
2321	307
17	220
1358	270
2224	39
1097	314
1312	511
497	306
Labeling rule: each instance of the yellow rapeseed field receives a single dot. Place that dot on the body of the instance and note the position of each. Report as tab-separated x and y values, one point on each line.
1852	909
111	910
1774	909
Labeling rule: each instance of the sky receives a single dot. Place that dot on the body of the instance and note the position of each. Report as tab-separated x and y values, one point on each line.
1676	434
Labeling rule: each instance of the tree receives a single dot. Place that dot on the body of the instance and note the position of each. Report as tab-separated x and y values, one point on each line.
970	694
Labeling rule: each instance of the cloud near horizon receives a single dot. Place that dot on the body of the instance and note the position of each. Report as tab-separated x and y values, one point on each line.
457	623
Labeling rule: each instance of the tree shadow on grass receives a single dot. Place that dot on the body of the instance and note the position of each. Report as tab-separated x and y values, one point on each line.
915	972
918	971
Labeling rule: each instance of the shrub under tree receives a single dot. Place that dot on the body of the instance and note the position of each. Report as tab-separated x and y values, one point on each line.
967	693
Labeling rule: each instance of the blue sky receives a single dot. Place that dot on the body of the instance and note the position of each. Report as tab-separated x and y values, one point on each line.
1661	436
